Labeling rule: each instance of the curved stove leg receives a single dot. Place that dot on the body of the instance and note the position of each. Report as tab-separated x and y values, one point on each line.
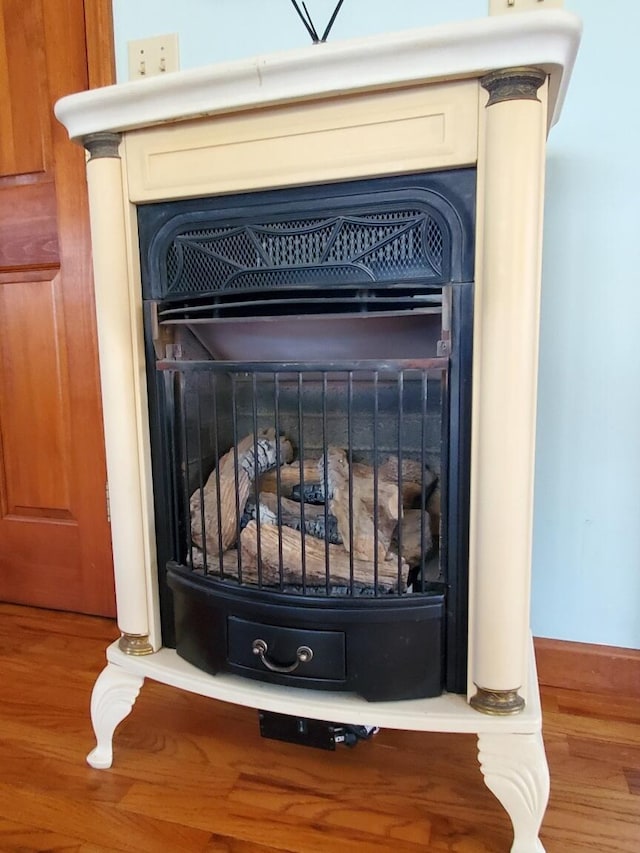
112	699
515	770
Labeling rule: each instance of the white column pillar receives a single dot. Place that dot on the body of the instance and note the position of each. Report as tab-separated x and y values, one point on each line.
505	361
108	233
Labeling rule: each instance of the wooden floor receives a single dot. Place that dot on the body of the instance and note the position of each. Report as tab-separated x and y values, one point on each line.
191	774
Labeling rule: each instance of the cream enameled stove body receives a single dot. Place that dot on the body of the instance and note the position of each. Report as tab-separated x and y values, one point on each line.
479	93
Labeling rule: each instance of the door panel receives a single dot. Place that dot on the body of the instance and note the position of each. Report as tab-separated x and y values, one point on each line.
34	380
23	96
28	224
55	548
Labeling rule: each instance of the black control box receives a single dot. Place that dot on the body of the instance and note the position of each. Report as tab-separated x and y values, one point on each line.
317	733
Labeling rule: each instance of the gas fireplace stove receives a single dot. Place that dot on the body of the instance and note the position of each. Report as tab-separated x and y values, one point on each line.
317	285
309	361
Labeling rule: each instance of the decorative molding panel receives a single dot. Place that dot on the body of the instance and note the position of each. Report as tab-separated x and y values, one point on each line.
395	132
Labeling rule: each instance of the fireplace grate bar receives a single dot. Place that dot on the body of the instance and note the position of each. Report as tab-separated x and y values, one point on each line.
350	446
170	381
325	480
201	480
256	480
303	551
236	475
276	412
376	568
423	485
216	447
400	381
386	366
184	446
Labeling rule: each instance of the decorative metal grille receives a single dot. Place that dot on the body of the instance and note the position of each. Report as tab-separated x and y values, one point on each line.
384	246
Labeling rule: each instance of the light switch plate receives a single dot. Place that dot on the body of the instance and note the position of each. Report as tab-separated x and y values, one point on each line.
501	7
151	56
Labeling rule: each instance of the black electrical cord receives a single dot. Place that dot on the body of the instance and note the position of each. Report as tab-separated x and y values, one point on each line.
306	19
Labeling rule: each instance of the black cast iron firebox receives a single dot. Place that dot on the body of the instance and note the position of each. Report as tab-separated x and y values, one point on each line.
309	366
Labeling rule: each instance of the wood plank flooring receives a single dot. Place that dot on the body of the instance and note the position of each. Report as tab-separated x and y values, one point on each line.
191	774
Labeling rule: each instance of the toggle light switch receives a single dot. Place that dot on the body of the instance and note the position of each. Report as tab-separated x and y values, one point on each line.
499	7
149	57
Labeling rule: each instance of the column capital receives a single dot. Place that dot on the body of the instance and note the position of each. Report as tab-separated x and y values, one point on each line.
104	143
513	84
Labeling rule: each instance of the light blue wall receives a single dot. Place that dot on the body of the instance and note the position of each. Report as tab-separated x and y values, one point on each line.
586	583
587	530
219	30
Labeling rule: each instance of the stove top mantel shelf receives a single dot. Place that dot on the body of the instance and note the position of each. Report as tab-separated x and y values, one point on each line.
546	39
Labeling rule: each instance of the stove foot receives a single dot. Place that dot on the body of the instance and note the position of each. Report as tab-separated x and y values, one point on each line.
515	770
112	699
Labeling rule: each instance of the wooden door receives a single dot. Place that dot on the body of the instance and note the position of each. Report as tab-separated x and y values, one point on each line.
55	548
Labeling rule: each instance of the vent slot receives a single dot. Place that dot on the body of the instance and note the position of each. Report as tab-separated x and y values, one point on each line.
309	301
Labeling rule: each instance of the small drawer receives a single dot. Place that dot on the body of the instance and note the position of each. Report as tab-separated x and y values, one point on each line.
298	652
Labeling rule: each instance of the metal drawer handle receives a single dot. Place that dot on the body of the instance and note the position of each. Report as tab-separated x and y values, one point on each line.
303	655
